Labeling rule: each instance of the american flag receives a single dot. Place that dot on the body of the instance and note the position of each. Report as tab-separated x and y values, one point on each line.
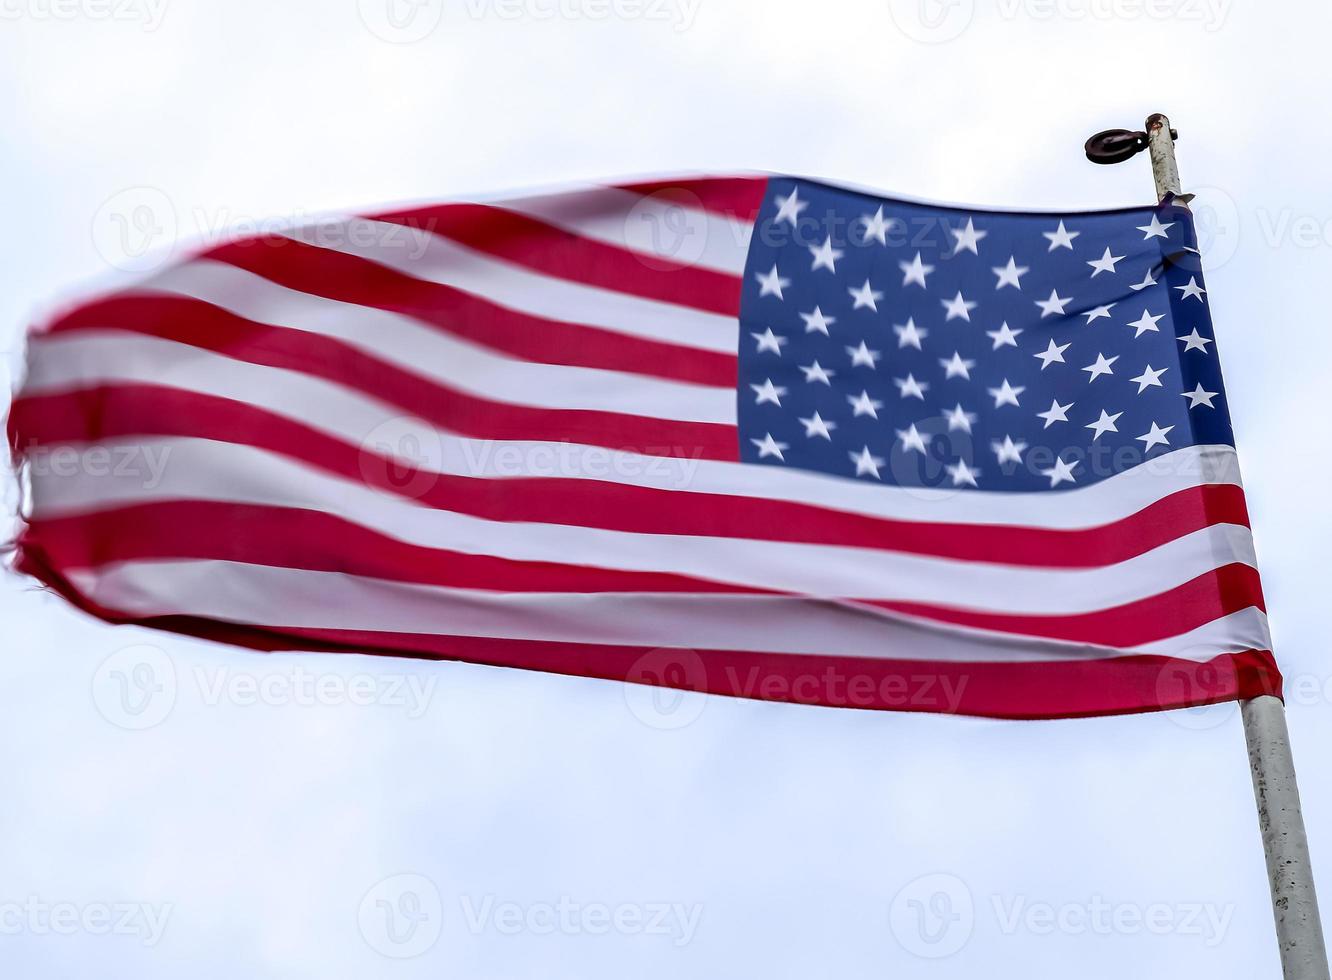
762	437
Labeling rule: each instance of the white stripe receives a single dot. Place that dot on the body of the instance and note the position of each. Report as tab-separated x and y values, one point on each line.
354	417
297	598
65	359
440	356
216	471
661	225
419	253
1112	499
422	348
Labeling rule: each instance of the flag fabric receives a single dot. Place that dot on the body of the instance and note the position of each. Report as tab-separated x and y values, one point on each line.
761	437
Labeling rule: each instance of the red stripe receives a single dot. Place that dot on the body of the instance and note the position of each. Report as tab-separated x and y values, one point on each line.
734	197
210	328
285	537
1196	603
137	411
562	254
292	538
347	279
1058	689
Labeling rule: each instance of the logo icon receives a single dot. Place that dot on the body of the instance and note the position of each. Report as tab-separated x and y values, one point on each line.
135	230
401	21
1217	222
403	455
665	689
135	688
933	916
402	916
667	230
1186	680
931	21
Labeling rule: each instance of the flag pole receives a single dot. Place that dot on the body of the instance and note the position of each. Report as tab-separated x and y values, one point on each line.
1294	903
1289	873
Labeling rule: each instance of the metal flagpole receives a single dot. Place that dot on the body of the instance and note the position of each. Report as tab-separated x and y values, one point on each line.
1289	873
1294	902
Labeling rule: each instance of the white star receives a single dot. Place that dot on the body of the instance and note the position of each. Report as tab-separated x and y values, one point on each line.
1057	413
1195	341
1054	354
915	271
1192	289
767	340
1102	366
866	295
1011	274
825	256
1106	263
1155	229
768	446
768	392
816	372
772	284
1061	238
1146	323
909	387
816	426
1009	451
1006	394
1061	472
1106	423
816	322
864	405
913	439
956	367
959	418
789	208
1054	305
1149	378
1148	280
1199	396
968	238
876	227
962	474
908	334
958	307
1156	437
867	464
1005	335
1100	311
862	355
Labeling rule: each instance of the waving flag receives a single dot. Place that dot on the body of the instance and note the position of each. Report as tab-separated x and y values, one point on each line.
758	437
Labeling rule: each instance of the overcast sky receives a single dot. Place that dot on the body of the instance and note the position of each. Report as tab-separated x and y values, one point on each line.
304	815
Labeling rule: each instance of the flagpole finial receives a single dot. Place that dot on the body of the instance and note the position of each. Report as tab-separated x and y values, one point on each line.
1117	145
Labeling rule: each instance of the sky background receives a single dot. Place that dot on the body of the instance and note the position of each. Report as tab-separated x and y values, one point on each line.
304	815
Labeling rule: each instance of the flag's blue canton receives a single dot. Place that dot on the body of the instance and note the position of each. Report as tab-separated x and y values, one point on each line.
901	343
